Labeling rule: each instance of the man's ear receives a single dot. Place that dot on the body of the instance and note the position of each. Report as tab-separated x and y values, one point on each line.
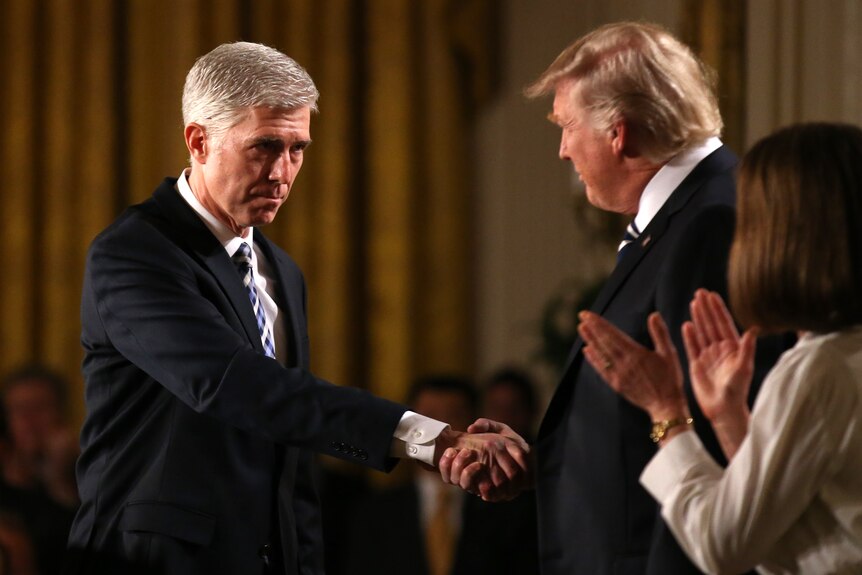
620	138
196	142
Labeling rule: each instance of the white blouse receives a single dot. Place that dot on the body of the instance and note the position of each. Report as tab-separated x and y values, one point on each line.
791	499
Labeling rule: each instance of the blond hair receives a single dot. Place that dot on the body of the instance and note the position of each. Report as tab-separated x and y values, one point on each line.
641	74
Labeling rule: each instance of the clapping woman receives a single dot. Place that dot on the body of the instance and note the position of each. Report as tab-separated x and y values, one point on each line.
790	500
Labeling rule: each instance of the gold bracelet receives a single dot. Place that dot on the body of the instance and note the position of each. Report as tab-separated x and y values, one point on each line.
660	428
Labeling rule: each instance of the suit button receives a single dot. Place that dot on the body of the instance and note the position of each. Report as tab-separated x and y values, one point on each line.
265	553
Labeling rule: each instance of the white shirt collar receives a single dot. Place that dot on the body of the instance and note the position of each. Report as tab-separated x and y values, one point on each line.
223	234
668	178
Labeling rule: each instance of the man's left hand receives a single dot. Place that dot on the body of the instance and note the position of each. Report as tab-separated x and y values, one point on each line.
491	460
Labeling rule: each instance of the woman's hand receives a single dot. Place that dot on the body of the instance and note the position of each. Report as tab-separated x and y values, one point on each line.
721	365
652	380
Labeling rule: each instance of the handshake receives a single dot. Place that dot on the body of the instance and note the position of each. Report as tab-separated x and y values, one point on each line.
489	460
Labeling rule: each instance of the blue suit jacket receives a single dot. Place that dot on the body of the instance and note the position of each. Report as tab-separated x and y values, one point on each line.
594	517
196	446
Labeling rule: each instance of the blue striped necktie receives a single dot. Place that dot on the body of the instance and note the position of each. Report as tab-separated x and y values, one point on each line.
242	261
632	233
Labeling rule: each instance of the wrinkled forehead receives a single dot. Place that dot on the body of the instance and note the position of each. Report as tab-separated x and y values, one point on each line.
254	119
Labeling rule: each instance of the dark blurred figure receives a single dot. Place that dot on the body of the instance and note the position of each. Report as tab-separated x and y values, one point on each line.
424	527
37	461
16	548
510	397
342	487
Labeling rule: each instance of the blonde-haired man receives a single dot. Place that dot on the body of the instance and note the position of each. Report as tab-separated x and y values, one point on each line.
640	125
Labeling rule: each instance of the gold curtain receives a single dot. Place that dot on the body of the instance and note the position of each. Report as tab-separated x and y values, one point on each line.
716	30
379	218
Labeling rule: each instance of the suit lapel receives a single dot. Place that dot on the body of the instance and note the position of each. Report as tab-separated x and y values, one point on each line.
720	160
187	227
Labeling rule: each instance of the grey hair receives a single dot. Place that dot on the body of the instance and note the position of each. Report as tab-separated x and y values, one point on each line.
639	73
223	84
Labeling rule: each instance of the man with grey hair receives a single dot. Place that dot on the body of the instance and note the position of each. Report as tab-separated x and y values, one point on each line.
202	416
640	125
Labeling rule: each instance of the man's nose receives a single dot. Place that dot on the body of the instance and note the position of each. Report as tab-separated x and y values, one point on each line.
281	169
563	153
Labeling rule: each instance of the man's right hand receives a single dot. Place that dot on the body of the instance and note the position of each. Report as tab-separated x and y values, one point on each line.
490	460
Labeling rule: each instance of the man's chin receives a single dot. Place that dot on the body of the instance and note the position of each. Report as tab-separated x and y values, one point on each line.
263	218
592	199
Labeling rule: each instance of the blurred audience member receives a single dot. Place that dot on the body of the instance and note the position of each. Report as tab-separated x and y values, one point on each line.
510	398
441	530
16	549
37	460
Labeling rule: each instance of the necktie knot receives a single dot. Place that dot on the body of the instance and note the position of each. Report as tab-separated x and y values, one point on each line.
242	257
242	260
631	234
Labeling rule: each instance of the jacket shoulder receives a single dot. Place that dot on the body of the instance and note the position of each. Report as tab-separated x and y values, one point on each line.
138	218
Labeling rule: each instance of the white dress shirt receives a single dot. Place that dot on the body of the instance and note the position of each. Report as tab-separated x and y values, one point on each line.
668	178
415	435
791	499
264	278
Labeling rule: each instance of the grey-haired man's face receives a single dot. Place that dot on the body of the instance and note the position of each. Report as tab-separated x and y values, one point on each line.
245	177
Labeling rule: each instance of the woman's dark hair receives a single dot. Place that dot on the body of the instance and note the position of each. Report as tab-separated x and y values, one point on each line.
796	260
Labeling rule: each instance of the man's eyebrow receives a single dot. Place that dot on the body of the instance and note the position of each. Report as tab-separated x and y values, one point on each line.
553	118
277	140
265	140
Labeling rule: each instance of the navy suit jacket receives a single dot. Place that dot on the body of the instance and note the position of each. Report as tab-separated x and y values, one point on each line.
196	449
594	517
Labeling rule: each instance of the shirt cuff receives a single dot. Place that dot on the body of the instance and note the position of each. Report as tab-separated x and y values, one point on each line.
672	463
415	437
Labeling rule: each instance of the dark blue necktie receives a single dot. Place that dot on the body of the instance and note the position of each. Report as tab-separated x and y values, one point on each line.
242	261
632	233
